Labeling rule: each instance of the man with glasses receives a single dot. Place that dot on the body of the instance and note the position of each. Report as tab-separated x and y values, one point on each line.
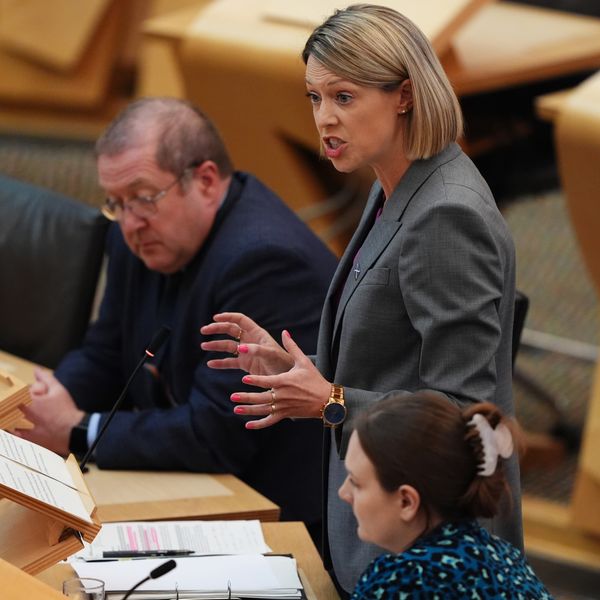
192	238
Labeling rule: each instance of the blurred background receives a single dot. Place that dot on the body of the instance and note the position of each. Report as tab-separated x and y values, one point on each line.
526	76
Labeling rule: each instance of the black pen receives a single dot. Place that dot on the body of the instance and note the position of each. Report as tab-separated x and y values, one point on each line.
144	553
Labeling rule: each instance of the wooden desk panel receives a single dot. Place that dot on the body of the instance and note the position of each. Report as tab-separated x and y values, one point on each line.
572	533
85	86
54	34
548	106
20	367
550	532
542	44
18	585
438	19
152	495
293	537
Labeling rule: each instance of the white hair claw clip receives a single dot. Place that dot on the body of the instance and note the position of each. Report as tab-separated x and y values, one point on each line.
495	442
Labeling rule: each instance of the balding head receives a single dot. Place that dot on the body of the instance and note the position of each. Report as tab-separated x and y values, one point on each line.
184	135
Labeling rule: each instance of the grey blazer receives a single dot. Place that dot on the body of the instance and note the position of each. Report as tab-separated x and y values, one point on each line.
422	298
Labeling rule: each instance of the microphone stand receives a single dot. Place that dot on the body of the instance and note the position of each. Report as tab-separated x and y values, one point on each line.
155	344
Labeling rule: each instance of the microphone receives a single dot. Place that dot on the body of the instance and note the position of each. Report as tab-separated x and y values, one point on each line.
154	574
157	341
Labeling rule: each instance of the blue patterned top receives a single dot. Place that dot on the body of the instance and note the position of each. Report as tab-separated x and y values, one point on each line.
456	560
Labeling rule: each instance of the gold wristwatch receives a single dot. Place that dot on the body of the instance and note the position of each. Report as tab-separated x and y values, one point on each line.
334	410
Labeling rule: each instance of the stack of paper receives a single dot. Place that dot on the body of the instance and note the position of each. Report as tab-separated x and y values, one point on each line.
200	577
201	537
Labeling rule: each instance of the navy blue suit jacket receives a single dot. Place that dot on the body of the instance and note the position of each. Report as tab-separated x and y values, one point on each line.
259	259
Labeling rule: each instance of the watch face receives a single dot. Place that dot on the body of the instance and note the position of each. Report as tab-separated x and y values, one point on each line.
334	413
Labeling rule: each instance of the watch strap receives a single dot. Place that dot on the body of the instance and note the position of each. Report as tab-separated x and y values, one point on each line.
337	393
78	443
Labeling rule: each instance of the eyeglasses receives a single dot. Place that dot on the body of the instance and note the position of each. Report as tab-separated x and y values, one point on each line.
143	207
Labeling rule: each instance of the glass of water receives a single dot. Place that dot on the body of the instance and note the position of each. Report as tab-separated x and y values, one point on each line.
84	588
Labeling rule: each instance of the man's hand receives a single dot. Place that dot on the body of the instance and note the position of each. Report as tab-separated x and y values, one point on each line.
53	413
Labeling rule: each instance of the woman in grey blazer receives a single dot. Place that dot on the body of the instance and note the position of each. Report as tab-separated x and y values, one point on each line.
423	296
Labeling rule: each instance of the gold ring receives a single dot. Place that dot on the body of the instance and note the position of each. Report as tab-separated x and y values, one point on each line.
236	353
273	395
239	336
272	408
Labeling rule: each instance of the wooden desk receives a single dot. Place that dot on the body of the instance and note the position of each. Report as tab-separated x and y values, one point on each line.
548	106
20	367
293	537
152	495
572	532
18	585
506	44
577	135
282	538
88	49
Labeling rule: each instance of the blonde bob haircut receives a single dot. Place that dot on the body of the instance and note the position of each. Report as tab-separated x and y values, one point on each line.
376	46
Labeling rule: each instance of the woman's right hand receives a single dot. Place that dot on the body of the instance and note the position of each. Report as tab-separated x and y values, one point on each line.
252	348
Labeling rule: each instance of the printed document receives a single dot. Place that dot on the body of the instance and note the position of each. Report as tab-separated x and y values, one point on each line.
203	537
35	457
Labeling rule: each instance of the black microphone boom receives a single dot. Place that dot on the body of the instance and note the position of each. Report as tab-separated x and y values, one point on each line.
154	574
157	341
163	569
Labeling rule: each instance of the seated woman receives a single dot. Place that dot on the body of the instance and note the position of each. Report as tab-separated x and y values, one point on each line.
420	471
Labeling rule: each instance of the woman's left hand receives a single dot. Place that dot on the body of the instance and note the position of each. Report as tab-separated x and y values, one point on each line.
300	392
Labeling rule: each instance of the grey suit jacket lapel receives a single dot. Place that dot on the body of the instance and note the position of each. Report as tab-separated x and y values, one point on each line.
346	262
387	225
375	243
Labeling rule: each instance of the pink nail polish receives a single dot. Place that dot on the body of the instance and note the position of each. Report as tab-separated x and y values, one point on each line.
247	379
239	410
235	397
243	349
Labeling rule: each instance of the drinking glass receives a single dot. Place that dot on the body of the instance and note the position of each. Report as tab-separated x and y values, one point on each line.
84	588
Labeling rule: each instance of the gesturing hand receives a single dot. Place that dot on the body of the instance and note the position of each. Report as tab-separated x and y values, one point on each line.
252	348
299	392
